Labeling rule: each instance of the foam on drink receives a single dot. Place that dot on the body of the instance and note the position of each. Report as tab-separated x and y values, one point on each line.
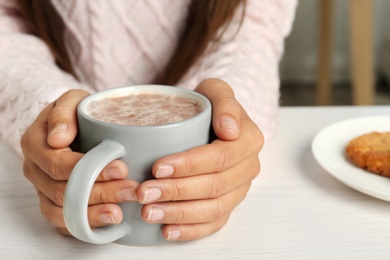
143	109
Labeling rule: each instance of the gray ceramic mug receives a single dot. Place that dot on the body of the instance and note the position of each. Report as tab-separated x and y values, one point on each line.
139	147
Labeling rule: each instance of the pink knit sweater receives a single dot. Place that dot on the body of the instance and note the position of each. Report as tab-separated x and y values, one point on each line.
122	42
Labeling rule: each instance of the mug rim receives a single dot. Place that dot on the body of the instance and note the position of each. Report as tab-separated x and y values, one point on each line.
150	88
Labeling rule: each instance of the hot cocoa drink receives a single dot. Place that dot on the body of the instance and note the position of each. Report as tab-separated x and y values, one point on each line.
186	119
143	109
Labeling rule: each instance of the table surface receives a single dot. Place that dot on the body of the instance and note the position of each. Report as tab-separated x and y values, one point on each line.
294	210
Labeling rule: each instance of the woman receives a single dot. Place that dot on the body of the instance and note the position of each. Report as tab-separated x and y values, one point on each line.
54	53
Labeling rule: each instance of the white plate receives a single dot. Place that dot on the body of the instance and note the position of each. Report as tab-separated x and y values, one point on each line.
328	147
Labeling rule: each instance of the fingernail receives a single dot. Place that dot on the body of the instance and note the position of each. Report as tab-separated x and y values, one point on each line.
107	218
230	123
156	214
174	234
59	129
164	171
152	194
127	194
113	174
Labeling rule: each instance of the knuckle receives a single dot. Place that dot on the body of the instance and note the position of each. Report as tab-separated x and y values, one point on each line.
219	211
196	233
229	101
58	192
217	187
98	196
177	191
57	114
53	166
223	159
180	216
190	165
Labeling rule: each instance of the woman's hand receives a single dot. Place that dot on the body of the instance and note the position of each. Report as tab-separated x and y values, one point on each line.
49	161
196	191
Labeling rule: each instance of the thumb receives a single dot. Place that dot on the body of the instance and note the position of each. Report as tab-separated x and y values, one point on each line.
62	119
226	110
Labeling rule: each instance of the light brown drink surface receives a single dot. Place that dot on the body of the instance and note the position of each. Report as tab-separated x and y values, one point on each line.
143	109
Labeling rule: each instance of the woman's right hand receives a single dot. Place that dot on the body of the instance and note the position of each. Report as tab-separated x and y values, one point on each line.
49	160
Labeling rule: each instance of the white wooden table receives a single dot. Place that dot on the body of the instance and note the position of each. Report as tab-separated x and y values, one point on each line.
295	209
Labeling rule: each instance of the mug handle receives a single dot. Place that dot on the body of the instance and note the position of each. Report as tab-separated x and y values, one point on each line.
78	191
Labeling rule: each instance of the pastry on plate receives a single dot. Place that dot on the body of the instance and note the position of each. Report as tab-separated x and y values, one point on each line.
371	152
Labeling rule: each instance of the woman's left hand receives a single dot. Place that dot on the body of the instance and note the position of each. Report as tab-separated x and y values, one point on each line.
195	191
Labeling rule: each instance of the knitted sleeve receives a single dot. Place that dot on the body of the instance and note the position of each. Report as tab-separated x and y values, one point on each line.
248	60
29	77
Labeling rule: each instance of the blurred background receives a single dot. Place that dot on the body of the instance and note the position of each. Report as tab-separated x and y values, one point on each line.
319	51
